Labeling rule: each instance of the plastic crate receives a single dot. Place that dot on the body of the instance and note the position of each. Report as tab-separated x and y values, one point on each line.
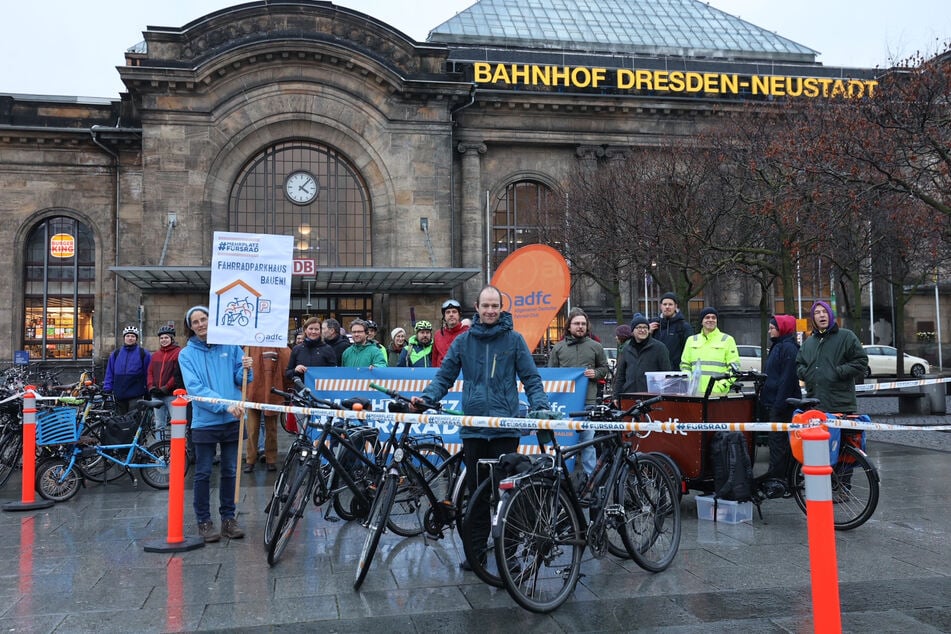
57	426
728	511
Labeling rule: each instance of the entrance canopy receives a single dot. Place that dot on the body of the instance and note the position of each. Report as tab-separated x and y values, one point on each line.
197	279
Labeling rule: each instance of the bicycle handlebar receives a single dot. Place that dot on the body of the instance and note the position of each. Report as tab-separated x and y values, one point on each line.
396	396
604	412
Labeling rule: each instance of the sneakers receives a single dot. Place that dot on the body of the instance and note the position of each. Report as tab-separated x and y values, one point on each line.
230	529
773	488
248	468
208	532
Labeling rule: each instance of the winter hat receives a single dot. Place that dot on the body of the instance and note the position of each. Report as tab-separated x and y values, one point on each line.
639	320
623	332
774	323
190	311
709	310
397	331
670	296
812	311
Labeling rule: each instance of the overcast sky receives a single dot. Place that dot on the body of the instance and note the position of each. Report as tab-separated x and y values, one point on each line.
71	47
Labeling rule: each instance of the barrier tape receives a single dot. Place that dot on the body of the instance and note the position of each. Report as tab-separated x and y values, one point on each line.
892	385
562	425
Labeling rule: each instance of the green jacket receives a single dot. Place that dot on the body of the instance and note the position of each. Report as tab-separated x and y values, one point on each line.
364	356
829	363
581	353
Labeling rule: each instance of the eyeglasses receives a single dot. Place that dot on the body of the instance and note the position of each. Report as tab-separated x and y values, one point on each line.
642	327
357	332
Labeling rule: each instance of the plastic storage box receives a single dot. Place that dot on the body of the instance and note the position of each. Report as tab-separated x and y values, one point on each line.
728	511
667	382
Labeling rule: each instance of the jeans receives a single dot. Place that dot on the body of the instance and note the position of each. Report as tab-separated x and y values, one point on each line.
206	440
164	414
589	457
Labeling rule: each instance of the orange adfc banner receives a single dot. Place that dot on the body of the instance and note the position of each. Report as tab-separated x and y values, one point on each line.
535	282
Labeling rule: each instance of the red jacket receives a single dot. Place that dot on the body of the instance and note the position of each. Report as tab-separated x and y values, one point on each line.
442	339
164	372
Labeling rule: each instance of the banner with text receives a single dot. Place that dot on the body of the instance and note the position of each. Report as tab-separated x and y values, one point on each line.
249	301
566	389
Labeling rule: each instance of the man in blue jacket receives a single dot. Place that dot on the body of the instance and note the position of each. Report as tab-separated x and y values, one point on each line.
127	371
492	358
213	371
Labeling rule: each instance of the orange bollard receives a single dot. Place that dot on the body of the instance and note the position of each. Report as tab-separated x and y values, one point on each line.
176	541
826	612
28	501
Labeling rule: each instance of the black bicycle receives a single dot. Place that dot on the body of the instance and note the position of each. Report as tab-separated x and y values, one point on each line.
540	531
413	486
318	465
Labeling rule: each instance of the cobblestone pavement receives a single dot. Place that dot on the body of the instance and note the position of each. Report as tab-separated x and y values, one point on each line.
80	566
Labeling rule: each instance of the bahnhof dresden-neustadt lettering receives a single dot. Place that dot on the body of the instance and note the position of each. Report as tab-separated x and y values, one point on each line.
676	81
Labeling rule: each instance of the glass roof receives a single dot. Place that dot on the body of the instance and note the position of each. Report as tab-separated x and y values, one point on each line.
687	28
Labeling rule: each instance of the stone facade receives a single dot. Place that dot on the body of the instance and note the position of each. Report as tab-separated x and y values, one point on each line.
153	172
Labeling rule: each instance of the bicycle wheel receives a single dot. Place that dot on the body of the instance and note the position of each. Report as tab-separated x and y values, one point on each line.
673	471
298	497
159	476
481	556
281	493
854	488
651	523
345	502
56	481
538	545
407	518
11	450
376	522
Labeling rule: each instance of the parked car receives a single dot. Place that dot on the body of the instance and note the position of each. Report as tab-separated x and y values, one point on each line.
883	361
751	358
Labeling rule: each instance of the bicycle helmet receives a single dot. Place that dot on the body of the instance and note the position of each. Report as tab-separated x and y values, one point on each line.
130	330
371	325
451	303
422	324
167	329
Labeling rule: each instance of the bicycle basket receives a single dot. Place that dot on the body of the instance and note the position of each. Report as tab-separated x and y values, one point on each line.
119	430
56	426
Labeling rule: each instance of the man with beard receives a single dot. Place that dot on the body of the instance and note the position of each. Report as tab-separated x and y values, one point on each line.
452	328
671	328
418	351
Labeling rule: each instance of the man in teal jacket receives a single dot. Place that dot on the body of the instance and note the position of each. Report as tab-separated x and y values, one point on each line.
363	352
492	358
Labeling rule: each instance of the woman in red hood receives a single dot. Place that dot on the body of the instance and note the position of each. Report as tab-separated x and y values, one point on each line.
781	383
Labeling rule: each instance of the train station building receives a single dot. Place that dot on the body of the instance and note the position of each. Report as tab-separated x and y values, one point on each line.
406	171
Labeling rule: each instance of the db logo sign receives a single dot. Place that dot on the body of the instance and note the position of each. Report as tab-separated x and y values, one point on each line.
305	267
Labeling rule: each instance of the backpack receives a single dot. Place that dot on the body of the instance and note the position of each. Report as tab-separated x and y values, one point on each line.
732	471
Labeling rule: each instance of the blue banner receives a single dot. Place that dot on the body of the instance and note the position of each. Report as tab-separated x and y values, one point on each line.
566	389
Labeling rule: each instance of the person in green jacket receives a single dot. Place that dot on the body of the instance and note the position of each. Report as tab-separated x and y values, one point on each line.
830	362
579	350
362	353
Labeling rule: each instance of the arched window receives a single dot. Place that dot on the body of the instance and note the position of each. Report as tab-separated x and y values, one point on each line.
526	212
59	293
310	191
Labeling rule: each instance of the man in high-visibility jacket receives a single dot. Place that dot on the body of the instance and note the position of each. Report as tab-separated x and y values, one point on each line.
711	352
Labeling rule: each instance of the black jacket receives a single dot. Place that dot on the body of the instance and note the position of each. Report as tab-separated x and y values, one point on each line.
673	333
313	353
634	359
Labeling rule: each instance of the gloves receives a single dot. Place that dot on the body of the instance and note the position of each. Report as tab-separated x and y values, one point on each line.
545	414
